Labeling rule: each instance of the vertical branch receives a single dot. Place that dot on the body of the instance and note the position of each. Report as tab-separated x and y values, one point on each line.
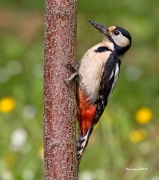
59	101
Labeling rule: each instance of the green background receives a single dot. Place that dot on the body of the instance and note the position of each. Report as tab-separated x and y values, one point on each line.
110	150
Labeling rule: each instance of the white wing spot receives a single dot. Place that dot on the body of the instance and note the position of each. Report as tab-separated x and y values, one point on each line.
115	78
111	75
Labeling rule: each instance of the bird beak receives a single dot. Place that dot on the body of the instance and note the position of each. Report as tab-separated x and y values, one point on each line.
102	29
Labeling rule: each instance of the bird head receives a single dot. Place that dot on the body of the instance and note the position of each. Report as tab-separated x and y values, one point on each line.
119	37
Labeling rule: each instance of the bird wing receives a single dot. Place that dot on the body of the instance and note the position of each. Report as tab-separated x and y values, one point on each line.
110	76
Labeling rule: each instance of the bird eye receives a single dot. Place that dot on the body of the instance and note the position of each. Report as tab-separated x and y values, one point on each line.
116	33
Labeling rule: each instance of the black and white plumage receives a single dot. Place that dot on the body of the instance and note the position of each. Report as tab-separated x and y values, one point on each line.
97	76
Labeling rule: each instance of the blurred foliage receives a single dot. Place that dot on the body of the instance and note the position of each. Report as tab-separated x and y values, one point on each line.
127	135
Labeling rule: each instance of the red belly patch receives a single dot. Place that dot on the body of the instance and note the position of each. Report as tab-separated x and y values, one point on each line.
87	112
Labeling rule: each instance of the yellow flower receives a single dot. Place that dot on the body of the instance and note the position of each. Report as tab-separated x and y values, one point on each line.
143	115
7	104
137	136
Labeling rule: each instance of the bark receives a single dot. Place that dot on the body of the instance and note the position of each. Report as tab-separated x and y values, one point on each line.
59	101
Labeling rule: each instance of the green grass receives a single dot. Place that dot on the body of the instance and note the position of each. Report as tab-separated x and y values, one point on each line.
110	150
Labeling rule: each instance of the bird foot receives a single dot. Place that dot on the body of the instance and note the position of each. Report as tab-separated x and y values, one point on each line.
71	78
72	68
74	71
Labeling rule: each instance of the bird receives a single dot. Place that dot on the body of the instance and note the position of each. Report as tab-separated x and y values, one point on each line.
97	74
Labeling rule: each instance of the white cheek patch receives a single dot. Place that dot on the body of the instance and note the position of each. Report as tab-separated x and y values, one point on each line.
121	40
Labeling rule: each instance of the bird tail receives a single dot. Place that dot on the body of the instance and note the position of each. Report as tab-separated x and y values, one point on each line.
82	143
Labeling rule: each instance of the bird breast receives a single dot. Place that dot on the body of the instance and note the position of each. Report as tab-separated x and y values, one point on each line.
91	70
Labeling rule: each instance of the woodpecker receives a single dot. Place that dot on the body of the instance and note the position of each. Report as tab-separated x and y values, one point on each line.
98	73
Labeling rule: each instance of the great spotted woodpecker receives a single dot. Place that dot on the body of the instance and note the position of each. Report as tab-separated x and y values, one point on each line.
98	73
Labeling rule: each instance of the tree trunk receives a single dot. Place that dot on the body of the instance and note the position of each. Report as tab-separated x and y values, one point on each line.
59	101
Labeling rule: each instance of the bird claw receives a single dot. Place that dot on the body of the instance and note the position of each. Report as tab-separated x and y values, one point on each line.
67	82
71	78
74	75
72	68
